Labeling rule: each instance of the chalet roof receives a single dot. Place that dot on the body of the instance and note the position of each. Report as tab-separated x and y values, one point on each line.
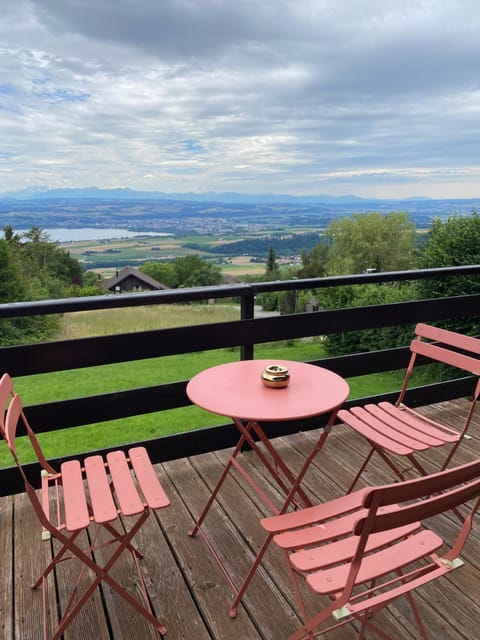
128	272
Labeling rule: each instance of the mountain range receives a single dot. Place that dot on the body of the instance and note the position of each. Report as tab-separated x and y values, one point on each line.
46	193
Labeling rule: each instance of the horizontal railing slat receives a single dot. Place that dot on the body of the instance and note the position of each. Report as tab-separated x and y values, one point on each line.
86	352
171	296
246	332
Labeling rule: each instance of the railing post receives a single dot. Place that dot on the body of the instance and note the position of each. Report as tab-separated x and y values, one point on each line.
247	312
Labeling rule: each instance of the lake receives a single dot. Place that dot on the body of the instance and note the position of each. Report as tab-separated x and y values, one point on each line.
60	234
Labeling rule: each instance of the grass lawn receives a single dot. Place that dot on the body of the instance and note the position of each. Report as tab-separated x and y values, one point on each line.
144	373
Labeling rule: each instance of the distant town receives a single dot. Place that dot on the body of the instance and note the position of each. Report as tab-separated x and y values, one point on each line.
233	230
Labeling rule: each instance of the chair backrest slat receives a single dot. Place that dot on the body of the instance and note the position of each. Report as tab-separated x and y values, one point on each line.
450	347
6	390
11	423
447	356
452	338
424	485
423	509
427	496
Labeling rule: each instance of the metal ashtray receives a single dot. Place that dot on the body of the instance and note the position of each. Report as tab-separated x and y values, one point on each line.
275	376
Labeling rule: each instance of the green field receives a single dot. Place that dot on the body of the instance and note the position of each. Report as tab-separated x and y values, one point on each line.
109	254
144	373
106	256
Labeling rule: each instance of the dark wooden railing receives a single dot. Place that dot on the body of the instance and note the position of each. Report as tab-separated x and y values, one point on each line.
244	333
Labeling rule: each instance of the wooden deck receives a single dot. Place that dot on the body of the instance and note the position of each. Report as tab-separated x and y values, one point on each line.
190	593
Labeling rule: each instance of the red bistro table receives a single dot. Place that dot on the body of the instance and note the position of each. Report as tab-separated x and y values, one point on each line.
236	390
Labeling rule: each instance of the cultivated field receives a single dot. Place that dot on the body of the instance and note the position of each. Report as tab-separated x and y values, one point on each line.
105	256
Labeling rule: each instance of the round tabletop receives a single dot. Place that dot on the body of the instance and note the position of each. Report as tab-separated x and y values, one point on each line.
237	391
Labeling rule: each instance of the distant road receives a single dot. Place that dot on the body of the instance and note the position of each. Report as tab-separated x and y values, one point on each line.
259	312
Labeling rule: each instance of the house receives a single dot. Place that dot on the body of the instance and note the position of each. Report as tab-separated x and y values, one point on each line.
130	279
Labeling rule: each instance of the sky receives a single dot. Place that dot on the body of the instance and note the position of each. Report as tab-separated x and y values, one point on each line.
377	98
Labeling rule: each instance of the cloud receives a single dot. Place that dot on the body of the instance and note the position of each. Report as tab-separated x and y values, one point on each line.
313	95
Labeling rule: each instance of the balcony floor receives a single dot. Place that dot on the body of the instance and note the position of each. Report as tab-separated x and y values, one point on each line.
188	590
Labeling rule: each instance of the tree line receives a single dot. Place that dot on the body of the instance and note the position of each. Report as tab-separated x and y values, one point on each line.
282	243
32	267
375	242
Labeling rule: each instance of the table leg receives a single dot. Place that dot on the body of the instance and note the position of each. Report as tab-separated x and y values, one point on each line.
289	489
278	461
239	593
217	487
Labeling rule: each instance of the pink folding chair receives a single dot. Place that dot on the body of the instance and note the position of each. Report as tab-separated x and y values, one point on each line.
396	431
364	550
92	495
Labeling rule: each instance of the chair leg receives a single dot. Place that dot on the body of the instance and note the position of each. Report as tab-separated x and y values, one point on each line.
361	470
418	619
102	574
398	472
58	557
117	535
451	454
248	577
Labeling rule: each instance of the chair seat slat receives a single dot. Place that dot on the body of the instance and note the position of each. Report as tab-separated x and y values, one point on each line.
324	530
319	532
372	435
344	550
126	493
386	426
410	426
424	427
102	503
378	564
75	501
152	490
317	513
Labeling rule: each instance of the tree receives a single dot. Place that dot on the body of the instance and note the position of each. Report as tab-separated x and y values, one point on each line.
313	266
11	286
91	284
163	272
33	268
452	242
367	339
193	271
14	288
270	301
47	270
314	262
272	269
370	241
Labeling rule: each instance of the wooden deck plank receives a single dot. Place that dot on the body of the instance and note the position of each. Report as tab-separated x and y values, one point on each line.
249	536
168	567
188	591
91	621
31	555
6	568
208	584
125	622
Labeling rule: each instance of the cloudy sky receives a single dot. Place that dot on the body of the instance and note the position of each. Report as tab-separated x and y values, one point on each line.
380	98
